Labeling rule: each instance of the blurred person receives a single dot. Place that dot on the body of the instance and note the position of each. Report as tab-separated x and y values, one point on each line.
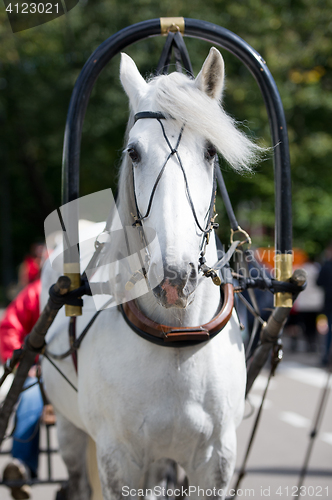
325	281
310	303
17	322
292	328
30	268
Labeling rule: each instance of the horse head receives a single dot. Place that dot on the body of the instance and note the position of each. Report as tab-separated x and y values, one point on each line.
177	126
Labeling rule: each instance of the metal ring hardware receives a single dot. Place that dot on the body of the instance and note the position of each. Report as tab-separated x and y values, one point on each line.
242	231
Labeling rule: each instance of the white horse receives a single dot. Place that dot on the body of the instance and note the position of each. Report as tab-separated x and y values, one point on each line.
141	402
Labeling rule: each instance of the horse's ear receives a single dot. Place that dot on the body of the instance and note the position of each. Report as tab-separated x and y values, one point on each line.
132	80
211	77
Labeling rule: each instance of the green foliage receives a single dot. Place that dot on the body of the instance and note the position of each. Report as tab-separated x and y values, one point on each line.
39	68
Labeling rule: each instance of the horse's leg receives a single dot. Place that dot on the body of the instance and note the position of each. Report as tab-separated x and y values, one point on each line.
120	474
93	472
73	444
163	474
211	478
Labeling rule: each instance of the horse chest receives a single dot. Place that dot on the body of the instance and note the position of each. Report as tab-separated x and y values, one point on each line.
145	391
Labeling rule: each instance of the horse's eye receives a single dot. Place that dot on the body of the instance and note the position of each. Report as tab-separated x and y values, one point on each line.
134	155
210	152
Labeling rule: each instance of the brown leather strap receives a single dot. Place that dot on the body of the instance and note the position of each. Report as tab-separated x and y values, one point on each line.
171	334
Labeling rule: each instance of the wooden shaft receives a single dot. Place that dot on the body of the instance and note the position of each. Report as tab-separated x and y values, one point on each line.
34	343
37	336
270	333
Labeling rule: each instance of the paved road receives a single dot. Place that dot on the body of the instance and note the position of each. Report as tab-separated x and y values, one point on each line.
280	445
279	448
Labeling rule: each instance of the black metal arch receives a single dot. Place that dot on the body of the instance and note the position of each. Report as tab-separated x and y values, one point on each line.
211	33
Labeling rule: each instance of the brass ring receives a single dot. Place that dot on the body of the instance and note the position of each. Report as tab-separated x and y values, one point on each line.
240	230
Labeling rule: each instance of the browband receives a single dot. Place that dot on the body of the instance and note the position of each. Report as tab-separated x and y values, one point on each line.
149	114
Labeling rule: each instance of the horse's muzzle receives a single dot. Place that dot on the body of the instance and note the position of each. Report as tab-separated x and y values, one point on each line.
177	286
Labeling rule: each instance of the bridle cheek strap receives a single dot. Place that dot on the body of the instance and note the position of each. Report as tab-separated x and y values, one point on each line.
173	151
210	225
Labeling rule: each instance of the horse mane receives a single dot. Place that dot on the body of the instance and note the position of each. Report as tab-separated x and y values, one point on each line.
178	96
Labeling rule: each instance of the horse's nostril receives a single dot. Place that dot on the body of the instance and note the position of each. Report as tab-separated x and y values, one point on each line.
180	276
178	284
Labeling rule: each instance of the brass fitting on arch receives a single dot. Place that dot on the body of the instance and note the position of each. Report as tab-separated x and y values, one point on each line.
172	24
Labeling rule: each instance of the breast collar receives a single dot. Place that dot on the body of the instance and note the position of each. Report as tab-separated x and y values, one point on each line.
178	336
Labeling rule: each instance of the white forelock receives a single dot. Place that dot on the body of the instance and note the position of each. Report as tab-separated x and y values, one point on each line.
178	96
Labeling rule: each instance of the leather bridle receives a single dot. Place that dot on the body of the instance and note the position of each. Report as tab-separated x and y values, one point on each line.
211	224
162	334
146	328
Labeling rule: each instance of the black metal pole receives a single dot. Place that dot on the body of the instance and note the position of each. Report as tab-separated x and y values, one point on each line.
48	452
256	65
81	95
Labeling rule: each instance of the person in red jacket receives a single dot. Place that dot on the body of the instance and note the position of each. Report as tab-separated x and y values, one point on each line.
19	319
17	322
29	270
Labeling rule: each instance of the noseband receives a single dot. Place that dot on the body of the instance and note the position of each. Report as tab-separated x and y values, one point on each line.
174	151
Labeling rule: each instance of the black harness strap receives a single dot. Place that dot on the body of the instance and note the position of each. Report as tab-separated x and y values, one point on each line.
210	225
149	114
174	41
60	371
76	344
225	196
146	114
173	151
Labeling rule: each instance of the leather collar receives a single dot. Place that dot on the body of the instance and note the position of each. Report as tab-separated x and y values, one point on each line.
182	336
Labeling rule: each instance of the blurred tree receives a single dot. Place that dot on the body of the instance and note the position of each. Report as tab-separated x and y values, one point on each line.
38	69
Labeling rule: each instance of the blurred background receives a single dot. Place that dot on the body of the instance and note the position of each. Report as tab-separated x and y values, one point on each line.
38	70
